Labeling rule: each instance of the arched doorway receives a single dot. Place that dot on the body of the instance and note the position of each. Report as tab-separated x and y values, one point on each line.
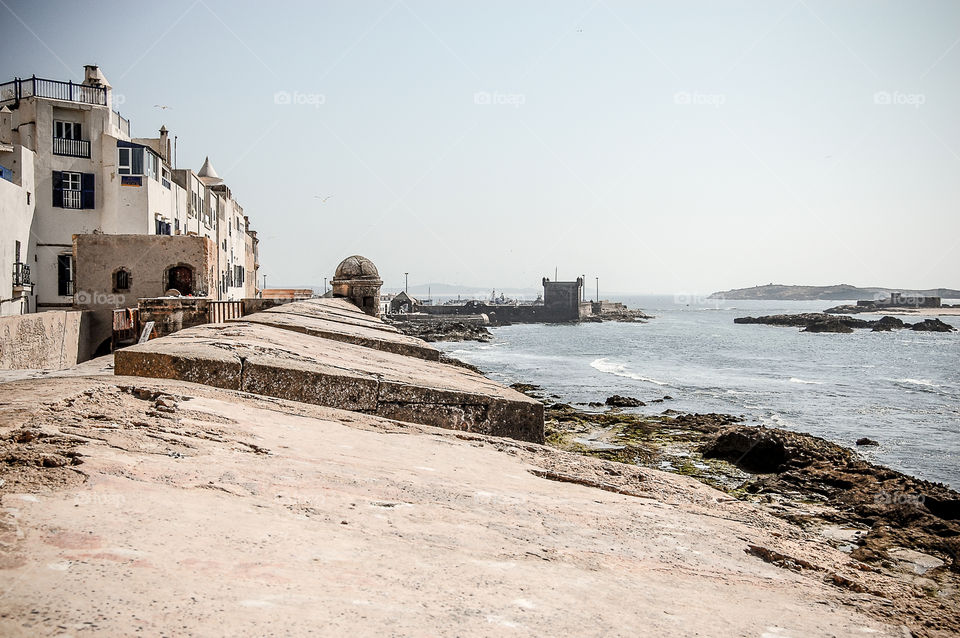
180	278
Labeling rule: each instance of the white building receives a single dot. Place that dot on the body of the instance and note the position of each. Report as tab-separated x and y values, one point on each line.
70	167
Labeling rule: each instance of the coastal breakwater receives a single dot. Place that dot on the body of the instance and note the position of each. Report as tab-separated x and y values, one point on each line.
327	352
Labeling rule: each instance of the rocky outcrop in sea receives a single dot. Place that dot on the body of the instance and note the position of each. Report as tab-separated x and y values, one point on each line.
823	322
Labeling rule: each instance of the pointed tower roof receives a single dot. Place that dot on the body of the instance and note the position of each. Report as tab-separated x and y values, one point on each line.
207	170
207	175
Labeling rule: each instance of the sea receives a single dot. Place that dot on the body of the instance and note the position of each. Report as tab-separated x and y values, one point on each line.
900	388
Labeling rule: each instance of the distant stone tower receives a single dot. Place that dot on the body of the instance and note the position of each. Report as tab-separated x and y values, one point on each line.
358	280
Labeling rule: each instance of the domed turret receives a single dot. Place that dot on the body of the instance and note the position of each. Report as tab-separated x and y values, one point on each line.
356	267
358	280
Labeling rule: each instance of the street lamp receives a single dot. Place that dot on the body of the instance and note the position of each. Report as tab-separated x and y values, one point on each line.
406	283
598	289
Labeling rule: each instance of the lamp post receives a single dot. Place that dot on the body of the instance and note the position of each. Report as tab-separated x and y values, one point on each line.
324	285
598	289
406	282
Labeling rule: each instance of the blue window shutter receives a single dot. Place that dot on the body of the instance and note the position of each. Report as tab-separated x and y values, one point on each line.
87	193
58	189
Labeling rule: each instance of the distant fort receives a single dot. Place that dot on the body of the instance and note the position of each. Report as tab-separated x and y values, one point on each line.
563	302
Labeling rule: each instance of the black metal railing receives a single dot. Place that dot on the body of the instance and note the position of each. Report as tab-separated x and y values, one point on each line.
69	91
71	148
21	274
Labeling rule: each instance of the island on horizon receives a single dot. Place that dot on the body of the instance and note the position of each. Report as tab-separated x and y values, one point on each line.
783	292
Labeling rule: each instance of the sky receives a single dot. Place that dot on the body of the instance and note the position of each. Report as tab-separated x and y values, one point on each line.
662	147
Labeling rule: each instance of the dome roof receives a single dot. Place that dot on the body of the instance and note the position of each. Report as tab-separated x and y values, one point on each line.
356	267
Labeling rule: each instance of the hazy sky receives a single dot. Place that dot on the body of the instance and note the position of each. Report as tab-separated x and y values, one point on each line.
660	146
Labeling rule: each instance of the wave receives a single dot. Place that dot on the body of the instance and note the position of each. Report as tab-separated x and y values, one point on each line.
796	380
924	382
620	370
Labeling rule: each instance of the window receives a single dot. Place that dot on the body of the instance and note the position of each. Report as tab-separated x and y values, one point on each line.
123	161
150	164
130	161
66	130
163	228
121	280
73	190
64	275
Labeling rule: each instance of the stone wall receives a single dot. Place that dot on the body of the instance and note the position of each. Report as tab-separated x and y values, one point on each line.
147	260
170	314
327	352
51	340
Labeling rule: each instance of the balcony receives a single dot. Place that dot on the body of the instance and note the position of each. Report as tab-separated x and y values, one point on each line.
18	88
72	199
71	148
21	279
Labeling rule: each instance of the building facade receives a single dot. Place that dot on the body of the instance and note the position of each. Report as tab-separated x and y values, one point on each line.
70	167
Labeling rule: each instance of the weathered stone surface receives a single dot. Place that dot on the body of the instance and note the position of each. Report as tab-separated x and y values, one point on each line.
328	318
250	516
282	363
50	340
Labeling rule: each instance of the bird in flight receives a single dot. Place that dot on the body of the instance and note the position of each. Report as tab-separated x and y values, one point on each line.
322	199
162	107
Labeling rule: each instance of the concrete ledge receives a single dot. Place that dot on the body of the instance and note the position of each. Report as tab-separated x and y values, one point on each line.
273	361
346	328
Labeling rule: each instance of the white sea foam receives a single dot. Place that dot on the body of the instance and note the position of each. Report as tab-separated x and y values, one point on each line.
796	380
611	367
924	382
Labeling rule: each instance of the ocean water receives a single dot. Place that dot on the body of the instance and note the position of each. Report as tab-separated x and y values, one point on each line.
901	388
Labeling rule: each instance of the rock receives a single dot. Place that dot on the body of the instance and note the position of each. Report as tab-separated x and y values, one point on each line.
766	450
886	324
431	331
807	319
617	401
828	325
932	325
865	441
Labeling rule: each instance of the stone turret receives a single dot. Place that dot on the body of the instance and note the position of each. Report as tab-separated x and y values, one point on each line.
358	281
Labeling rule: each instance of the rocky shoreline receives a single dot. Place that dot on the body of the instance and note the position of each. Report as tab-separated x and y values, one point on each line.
441	330
824	322
888	523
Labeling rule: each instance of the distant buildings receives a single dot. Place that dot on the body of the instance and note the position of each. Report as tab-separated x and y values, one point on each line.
87	210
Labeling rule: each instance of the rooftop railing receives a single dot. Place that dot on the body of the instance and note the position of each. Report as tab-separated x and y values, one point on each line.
120	122
19	88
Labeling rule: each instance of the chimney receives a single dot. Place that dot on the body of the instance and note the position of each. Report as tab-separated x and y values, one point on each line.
93	76
165	144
